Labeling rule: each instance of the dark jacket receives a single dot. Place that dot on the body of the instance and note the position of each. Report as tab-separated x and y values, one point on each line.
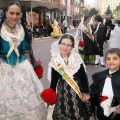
98	83
96	93
101	34
109	25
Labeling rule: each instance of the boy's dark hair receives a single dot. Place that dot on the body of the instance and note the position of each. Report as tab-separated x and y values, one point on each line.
98	18
113	50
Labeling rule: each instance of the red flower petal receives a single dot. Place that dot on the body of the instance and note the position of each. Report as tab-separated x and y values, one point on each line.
58	65
81	43
39	71
49	96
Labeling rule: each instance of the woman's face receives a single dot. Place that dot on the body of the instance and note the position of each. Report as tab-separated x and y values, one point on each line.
88	19
65	46
13	14
113	61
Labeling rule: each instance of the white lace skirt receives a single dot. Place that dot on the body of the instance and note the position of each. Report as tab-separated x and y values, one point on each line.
20	93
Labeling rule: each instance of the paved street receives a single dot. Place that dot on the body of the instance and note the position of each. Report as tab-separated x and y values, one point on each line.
42	48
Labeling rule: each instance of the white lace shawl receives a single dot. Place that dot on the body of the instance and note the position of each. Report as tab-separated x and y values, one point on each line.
7	36
78	36
74	63
74	60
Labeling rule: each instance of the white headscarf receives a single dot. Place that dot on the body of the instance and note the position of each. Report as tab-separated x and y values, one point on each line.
55	22
75	60
79	34
55	46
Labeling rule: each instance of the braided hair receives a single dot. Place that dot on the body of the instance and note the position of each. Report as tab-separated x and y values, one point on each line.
27	35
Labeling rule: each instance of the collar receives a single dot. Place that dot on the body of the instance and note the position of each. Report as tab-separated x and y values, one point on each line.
7	36
73	66
103	74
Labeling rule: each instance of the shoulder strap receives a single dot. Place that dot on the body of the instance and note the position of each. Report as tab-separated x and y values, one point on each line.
66	77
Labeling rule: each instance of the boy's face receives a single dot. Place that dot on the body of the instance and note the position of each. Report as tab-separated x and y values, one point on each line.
113	61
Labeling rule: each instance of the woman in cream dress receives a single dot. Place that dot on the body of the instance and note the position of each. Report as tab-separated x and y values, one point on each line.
19	86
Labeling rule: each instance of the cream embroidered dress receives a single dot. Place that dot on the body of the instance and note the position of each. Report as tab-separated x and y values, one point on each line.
19	86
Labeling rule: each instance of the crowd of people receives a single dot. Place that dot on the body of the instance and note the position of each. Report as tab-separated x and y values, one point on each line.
94	32
48	28
40	29
75	99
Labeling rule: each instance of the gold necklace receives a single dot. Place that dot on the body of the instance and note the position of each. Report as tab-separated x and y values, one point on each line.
12	28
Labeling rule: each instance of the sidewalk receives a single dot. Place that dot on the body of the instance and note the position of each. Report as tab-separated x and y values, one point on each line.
49	37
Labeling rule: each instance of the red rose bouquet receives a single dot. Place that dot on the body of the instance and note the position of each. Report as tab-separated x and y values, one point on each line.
39	69
81	43
49	96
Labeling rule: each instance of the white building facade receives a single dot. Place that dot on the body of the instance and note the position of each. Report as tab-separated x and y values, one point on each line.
105	3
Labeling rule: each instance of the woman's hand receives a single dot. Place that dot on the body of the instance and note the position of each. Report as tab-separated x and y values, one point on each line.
86	97
98	45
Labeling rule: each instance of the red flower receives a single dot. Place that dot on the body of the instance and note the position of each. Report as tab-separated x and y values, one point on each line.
49	96
81	43
39	71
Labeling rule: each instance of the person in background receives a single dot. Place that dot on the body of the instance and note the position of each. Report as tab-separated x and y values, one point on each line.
108	24
109	27
99	42
49	28
105	88
83	33
67	76
92	25
28	27
43	32
56	29
36	30
65	25
20	87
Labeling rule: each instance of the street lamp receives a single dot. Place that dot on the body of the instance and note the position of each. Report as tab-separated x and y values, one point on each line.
66	10
31	16
80	10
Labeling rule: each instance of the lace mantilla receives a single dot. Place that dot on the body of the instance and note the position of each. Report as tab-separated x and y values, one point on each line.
55	47
74	60
73	66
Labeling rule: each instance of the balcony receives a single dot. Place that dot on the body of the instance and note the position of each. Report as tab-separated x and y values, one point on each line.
36	4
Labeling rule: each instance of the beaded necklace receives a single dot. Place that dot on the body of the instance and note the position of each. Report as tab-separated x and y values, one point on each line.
12	28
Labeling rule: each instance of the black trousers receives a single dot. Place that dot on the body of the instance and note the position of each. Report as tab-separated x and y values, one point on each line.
99	49
64	30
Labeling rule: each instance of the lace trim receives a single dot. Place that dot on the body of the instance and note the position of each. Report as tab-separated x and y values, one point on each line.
73	66
7	36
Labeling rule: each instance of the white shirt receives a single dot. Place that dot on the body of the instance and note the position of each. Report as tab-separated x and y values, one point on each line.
104	20
108	91
65	23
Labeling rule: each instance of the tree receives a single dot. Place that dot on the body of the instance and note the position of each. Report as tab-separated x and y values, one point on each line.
109	11
91	12
86	12
116	12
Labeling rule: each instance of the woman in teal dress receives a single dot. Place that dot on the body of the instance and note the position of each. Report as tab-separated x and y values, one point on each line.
20	88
